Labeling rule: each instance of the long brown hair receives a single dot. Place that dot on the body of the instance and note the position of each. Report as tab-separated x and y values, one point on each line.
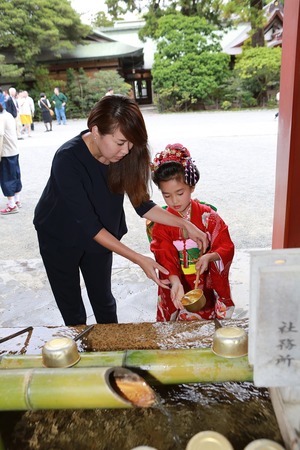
130	175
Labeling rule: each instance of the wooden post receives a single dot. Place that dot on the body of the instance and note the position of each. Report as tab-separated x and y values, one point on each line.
286	226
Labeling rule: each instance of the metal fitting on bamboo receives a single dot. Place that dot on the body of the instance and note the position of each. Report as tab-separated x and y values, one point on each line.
101	387
199	365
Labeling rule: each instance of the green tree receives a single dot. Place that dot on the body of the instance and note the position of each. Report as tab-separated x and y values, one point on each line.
189	67
29	27
216	12
249	11
101	20
259	70
83	91
153	10
9	72
178	35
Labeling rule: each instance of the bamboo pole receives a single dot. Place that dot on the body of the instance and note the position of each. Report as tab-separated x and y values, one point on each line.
88	359
189	366
30	389
174	366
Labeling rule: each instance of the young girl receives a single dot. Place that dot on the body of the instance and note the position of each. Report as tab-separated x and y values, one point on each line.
176	176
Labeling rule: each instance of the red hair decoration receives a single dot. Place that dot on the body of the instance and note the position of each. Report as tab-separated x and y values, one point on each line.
172	152
180	154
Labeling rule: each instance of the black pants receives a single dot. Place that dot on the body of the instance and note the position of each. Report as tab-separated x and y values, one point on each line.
63	266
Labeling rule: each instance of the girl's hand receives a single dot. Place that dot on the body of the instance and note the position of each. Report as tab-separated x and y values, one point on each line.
151	267
177	292
203	262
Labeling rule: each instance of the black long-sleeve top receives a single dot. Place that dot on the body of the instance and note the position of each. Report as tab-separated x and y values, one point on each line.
77	203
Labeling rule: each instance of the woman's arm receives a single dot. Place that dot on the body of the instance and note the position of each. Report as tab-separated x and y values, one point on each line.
149	266
159	215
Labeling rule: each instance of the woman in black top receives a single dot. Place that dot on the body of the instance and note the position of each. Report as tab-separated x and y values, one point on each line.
80	218
45	106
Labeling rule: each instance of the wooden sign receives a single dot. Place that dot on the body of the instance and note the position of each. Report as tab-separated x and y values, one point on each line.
274	317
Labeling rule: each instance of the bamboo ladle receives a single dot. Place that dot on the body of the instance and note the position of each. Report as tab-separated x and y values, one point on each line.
194	300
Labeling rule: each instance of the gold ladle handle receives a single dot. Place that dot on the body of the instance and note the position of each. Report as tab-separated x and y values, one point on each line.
197	279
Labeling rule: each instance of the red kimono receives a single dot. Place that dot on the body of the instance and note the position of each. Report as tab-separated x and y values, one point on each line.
179	255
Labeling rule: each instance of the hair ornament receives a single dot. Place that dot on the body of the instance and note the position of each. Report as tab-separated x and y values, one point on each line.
180	154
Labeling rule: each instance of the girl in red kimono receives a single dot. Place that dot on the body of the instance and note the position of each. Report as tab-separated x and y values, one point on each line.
176	175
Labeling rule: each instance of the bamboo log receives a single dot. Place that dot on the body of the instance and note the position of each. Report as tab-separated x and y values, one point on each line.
166	366
88	359
30	389
189	366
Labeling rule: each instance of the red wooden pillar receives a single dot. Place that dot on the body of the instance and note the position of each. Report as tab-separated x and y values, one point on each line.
286	226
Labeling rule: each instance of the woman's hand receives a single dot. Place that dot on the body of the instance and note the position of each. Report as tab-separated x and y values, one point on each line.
159	215
151	267
197	235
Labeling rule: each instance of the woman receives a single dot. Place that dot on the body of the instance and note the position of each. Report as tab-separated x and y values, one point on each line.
26	109
45	106
80	218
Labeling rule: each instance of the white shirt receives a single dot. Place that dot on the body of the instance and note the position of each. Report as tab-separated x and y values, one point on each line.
8	135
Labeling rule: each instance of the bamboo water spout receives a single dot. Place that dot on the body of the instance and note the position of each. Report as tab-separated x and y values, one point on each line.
31	389
199	365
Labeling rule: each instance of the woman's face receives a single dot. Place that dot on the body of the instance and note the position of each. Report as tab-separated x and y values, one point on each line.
112	147
176	194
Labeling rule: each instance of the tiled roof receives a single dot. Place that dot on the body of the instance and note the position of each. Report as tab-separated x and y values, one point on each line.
92	51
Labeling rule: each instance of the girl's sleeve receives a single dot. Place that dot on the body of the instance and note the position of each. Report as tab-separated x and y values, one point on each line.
163	248
221	242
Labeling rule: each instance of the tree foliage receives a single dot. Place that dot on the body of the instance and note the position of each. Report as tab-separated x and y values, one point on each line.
101	20
188	67
178	35
216	12
83	91
259	69
27	27
153	10
9	71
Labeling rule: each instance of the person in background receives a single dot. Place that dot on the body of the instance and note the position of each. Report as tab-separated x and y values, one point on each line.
176	175
80	218
32	107
2	99
45	106
59	101
13	108
10	174
26	110
109	91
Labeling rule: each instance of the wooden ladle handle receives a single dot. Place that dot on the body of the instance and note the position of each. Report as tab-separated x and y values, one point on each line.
197	279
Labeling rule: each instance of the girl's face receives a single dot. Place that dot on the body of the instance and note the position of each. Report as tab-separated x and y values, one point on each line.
176	194
112	147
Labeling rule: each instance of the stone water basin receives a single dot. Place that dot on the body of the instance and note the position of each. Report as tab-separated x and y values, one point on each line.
238	410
